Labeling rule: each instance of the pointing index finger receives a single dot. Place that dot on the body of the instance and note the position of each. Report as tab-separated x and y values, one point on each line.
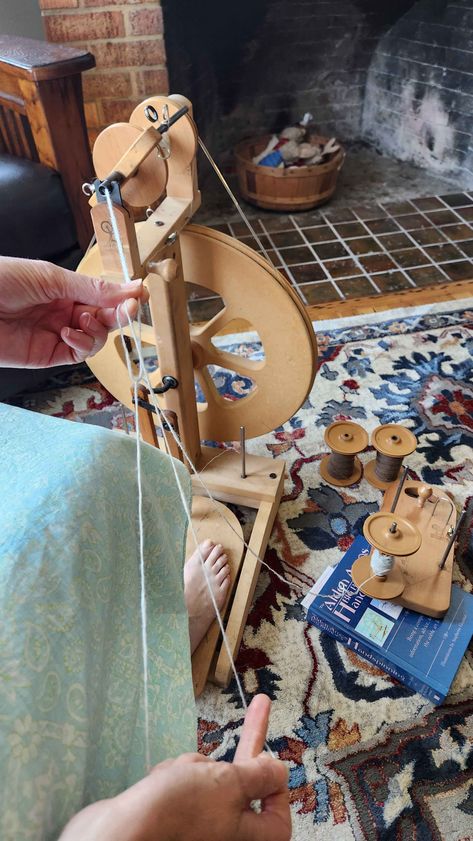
255	729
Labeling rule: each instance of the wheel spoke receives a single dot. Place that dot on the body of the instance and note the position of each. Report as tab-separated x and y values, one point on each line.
204	332
212	397
235	362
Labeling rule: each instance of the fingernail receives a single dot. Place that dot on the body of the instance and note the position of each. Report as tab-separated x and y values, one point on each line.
86	318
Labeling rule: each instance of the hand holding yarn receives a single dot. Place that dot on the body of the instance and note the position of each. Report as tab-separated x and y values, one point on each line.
50	316
194	797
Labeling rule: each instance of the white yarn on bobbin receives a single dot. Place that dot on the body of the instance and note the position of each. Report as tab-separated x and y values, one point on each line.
381	564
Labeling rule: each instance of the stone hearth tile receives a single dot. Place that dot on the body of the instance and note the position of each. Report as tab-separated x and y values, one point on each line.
459	271
382	226
308	273
414	221
286	238
398	207
252	243
392	282
467	247
241	230
427	276
431	203
442	217
355	287
320	293
223	228
443	253
339	215
279	223
363	245
466	213
351	229
308	218
428	236
273	257
296	254
321	233
341	268
328	250
366	212
377	263
457	199
395	241
457	232
410	257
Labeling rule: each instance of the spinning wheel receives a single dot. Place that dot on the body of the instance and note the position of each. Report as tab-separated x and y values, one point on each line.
252	290
166	252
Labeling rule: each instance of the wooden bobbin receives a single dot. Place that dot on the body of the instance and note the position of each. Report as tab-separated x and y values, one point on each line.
392	444
341	467
391	535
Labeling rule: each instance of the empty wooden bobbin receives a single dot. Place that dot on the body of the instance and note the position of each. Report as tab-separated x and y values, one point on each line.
345	439
390	535
392	444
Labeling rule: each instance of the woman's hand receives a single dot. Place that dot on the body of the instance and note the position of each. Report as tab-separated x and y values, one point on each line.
193	798
51	316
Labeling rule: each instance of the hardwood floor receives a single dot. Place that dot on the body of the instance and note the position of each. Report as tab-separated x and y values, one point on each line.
406	298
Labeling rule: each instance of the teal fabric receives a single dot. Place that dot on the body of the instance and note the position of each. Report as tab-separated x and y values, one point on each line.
71	679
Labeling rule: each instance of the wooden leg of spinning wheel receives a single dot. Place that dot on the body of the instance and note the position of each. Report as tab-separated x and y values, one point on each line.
246	586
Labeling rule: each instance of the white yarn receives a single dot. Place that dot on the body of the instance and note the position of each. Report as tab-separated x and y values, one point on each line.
381	564
136	378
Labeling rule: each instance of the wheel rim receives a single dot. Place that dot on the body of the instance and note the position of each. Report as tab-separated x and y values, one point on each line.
253	291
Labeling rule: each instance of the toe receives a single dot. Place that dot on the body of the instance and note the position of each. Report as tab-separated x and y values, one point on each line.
223	574
214	555
205	549
221	561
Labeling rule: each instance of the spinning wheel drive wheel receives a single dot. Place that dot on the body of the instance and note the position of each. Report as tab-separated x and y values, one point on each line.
251	290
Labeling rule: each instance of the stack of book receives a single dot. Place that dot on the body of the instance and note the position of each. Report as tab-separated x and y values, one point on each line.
422	653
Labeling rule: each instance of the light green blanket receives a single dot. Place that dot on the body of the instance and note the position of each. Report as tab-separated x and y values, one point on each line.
71	680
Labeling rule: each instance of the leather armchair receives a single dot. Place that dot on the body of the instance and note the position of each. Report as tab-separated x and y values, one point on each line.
44	160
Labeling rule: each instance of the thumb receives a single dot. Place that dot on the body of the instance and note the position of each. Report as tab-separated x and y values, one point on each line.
93	291
261	777
265	779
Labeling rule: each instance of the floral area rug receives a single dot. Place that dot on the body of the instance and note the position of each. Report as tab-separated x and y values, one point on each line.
367	758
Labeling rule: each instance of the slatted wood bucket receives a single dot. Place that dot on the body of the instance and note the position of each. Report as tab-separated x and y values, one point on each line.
298	188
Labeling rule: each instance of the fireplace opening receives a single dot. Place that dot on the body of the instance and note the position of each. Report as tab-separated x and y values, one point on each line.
395	76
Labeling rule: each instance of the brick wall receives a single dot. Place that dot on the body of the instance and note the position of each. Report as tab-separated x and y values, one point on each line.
126	38
419	94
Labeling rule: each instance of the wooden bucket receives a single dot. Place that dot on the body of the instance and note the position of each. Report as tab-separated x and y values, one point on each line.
294	189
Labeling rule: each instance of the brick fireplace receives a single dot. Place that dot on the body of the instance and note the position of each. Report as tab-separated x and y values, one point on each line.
397	75
126	38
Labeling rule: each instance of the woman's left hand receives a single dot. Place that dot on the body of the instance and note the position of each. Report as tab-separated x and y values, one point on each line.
52	316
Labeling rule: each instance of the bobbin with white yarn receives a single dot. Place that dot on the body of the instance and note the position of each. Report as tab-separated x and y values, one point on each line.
380	575
381	564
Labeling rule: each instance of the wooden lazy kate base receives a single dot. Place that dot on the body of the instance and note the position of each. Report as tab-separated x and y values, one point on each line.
416	580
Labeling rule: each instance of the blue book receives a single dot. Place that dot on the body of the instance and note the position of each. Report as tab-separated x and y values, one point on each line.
421	652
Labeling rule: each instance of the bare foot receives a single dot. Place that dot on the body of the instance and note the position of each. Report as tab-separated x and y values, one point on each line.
199	604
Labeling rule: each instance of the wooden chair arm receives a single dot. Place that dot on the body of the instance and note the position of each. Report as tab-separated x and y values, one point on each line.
42	114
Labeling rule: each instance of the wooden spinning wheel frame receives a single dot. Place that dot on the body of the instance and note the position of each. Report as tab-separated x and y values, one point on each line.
166	251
